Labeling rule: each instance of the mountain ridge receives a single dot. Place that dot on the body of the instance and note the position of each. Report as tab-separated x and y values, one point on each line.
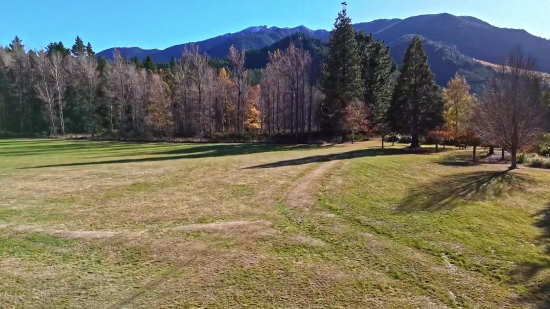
471	36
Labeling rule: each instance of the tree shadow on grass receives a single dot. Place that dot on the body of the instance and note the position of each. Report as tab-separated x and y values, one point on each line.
527	272
368	152
457	159
447	192
465	159
190	152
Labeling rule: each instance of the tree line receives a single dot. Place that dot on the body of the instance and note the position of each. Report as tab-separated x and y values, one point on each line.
357	88
59	91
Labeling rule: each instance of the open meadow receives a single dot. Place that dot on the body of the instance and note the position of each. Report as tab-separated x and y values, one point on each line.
156	225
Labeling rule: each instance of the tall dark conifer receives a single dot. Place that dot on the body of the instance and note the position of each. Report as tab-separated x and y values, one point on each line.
377	74
78	47
416	106
89	49
341	73
149	65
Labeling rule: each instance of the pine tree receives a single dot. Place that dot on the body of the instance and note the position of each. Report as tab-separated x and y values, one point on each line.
78	47
341	73
172	65
416	106
89	50
377	74
149	65
136	62
59	47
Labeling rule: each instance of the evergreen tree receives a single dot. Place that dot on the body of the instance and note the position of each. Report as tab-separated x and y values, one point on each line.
78	47
16	43
377	74
341	73
172	65
89	50
149	65
136	62
59	47
416	106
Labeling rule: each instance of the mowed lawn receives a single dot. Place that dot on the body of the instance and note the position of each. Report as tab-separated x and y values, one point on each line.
129	225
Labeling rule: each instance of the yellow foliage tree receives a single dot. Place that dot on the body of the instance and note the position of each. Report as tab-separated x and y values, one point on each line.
228	107
458	104
160	111
252	114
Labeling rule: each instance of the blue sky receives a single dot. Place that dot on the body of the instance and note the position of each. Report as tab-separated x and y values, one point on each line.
163	23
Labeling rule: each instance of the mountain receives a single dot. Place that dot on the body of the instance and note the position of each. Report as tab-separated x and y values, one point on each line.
471	36
247	39
445	61
258	58
453	43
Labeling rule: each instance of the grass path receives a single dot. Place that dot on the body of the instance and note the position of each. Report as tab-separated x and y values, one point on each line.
127	225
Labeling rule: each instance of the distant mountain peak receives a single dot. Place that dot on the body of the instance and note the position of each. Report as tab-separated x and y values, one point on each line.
254	29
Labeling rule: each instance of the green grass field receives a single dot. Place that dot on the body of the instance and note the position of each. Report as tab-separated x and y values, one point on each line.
129	225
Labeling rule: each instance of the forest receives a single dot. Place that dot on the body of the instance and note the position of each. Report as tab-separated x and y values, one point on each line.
63	91
298	91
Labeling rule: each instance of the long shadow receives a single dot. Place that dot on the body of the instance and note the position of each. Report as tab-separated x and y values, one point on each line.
527	271
57	147
369	152
446	192
457	159
204	151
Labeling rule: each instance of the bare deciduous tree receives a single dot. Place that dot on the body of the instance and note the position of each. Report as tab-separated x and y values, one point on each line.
59	69
241	81
45	87
201	76
86	67
511	112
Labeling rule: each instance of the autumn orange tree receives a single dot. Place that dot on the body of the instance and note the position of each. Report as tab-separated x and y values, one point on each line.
252	114
355	118
439	135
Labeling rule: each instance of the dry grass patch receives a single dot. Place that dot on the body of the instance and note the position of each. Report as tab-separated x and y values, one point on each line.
218	226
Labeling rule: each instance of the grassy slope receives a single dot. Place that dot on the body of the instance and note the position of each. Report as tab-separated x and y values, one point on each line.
100	224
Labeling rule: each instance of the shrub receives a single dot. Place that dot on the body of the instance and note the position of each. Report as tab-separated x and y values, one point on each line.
538	162
359	137
391	139
521	158
404	139
544	145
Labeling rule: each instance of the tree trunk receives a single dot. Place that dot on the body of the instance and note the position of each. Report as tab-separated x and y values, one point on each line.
491	151
475	147
436	148
382	142
415	143
344	136
514	159
352	137
503	152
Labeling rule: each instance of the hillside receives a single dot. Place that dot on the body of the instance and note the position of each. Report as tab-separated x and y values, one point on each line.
258	58
474	38
218	47
445	61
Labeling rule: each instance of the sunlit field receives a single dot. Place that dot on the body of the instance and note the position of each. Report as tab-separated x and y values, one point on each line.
133	225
